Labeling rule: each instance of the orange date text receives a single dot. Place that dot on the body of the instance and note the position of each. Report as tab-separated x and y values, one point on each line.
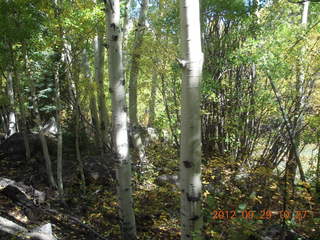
260	215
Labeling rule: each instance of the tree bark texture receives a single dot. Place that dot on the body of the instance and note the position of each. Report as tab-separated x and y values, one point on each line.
119	121
190	150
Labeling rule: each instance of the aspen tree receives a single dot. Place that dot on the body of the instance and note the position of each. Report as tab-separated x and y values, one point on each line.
119	121
190	147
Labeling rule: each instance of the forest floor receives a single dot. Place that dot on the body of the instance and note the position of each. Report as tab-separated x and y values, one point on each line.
228	202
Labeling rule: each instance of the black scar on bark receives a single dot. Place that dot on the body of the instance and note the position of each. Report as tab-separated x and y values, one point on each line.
187	164
110	90
114	37
192	198
194	218
112	25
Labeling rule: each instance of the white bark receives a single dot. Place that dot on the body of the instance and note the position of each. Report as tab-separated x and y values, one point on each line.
304	20
119	121
12	115
190	159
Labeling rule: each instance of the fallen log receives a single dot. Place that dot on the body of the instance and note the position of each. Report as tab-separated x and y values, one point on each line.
31	198
43	232
19	192
28	197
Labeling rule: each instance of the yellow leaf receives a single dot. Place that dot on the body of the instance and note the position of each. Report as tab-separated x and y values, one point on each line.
206	193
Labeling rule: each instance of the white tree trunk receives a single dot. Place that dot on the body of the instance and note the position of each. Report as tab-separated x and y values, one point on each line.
12	115
190	159
119	121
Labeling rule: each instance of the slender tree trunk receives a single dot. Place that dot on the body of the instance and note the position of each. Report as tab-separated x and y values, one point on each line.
99	77
166	105
119	121
58	62
134	73
76	111
93	102
318	173
45	150
12	114
190	162
126	30
59	130
77	146
136	55
43	140
152	102
23	118
5	121
288	125
300	103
